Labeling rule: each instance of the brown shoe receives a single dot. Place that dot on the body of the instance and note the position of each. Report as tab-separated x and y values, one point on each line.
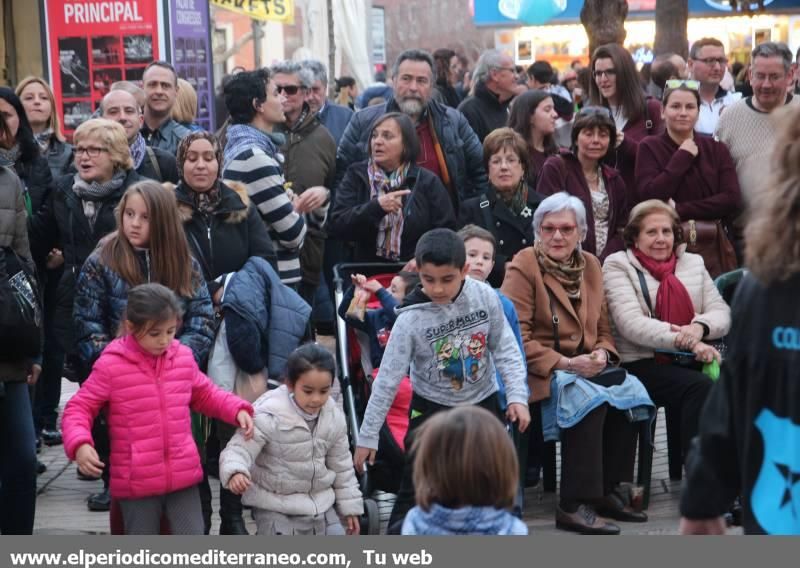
584	521
616	506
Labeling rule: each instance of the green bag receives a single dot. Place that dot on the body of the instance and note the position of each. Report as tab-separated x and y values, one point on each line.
712	370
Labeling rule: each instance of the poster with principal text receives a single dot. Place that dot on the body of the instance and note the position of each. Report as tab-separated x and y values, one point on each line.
92	44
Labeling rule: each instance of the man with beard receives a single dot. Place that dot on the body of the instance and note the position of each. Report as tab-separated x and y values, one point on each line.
161	87
154	163
448	146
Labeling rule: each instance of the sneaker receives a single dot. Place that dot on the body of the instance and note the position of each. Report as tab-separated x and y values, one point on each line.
51	437
99	501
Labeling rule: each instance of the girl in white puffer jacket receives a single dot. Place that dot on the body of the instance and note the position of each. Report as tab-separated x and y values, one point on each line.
298	464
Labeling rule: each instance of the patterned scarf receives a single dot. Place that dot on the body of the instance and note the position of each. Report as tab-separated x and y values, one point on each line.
92	192
517	200
569	274
204	201
241	137
43	139
9	156
138	151
390	229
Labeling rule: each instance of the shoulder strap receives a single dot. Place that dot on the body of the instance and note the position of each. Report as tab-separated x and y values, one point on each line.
556	340
648	122
645	292
200	256
153	160
485	207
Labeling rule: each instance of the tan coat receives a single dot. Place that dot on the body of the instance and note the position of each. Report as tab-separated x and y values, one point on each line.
525	285
636	333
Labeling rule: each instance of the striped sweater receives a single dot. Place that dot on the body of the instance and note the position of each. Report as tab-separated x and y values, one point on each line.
256	166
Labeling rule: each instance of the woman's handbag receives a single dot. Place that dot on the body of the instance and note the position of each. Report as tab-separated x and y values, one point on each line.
20	310
710	240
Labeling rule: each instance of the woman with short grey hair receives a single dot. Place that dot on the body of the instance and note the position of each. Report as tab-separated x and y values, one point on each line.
557	290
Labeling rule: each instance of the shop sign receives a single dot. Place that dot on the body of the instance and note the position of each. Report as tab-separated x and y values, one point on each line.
91	44
378	35
190	46
264	10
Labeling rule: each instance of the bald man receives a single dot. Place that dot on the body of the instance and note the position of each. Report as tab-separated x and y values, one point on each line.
154	163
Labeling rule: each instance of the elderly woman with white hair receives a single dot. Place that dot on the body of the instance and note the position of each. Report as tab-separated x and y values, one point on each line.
557	290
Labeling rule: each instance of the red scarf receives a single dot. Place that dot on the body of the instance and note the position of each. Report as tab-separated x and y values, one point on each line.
673	303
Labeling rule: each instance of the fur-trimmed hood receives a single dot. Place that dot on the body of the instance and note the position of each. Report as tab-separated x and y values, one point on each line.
233	206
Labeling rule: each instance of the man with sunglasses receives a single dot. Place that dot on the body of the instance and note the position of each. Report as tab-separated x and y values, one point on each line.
707	65
309	165
449	146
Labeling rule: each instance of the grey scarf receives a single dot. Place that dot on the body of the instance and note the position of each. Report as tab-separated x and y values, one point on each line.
9	157
92	192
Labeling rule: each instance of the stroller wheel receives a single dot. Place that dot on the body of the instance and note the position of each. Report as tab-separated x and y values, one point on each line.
371	519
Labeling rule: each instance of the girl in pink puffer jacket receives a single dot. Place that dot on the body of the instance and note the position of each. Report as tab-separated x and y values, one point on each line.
150	382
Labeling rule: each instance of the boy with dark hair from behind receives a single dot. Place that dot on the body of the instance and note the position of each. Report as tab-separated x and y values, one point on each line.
452	334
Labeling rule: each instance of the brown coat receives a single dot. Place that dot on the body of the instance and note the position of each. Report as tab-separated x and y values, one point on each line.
526	287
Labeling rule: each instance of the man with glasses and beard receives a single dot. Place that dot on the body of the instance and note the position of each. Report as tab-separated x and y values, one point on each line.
448	146
707	64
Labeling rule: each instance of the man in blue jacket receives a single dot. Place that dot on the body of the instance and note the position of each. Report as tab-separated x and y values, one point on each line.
449	147
332	116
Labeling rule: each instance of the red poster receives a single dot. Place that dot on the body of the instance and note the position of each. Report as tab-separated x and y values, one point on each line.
94	43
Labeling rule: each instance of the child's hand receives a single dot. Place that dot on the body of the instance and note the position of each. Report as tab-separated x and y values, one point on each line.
519	413
88	461
362	455
245	422
358	280
353	525
238	484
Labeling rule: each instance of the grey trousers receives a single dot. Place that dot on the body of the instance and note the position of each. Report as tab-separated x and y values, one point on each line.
270	523
182	508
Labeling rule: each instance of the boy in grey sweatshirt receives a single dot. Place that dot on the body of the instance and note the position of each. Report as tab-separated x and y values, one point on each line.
453	335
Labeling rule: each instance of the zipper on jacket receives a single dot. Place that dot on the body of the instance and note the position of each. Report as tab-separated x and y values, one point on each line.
313	466
209	220
147	262
164	423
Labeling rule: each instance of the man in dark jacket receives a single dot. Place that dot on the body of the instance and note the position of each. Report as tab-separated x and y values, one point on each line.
496	85
309	166
333	117
449	147
161	87
149	162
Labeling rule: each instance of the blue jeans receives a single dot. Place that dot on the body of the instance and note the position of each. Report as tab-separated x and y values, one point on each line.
17	461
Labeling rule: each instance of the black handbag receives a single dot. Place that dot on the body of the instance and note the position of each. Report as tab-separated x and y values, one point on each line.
20	310
608	377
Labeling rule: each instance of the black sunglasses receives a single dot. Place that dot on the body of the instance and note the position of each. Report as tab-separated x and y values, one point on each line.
288	89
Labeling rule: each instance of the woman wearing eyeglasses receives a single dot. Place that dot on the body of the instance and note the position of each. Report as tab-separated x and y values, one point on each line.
616	86
507	210
582	173
692	172
557	290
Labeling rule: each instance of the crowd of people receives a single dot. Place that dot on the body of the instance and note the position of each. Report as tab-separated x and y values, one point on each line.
180	276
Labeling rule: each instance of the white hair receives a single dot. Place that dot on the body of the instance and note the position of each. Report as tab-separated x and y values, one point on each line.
489	59
287	67
557	203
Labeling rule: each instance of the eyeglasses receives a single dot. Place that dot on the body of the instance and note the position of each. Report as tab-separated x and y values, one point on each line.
288	89
594	111
710	61
91	151
565	230
691	84
498	161
607	72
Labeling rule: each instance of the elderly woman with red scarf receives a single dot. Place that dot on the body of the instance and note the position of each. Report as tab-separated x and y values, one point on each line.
663	303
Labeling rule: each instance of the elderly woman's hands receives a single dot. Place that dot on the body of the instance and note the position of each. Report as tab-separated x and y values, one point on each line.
393	202
587	365
706	353
688	335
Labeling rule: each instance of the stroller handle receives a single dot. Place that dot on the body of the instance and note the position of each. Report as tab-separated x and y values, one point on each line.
345	269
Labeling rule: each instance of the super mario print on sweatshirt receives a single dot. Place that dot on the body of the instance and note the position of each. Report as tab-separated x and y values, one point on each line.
451	352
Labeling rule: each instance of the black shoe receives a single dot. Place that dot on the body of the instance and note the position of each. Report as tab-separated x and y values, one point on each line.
616	505
99	501
83	477
230	514
38	444
40	468
584	521
51	437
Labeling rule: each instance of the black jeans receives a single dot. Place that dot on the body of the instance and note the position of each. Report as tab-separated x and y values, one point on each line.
48	387
680	389
17	461
406	495
596	454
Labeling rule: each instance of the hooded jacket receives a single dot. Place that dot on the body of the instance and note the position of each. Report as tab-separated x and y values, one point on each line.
441	520
295	471
462	150
13	218
453	351
149	399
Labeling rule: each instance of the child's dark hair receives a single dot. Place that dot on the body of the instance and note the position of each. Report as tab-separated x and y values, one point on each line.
149	304
309	357
441	247
410	280
469	232
464	457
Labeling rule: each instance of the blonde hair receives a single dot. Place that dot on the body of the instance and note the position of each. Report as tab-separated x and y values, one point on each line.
464	457
642	211
53	124
774	255
185	108
111	135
